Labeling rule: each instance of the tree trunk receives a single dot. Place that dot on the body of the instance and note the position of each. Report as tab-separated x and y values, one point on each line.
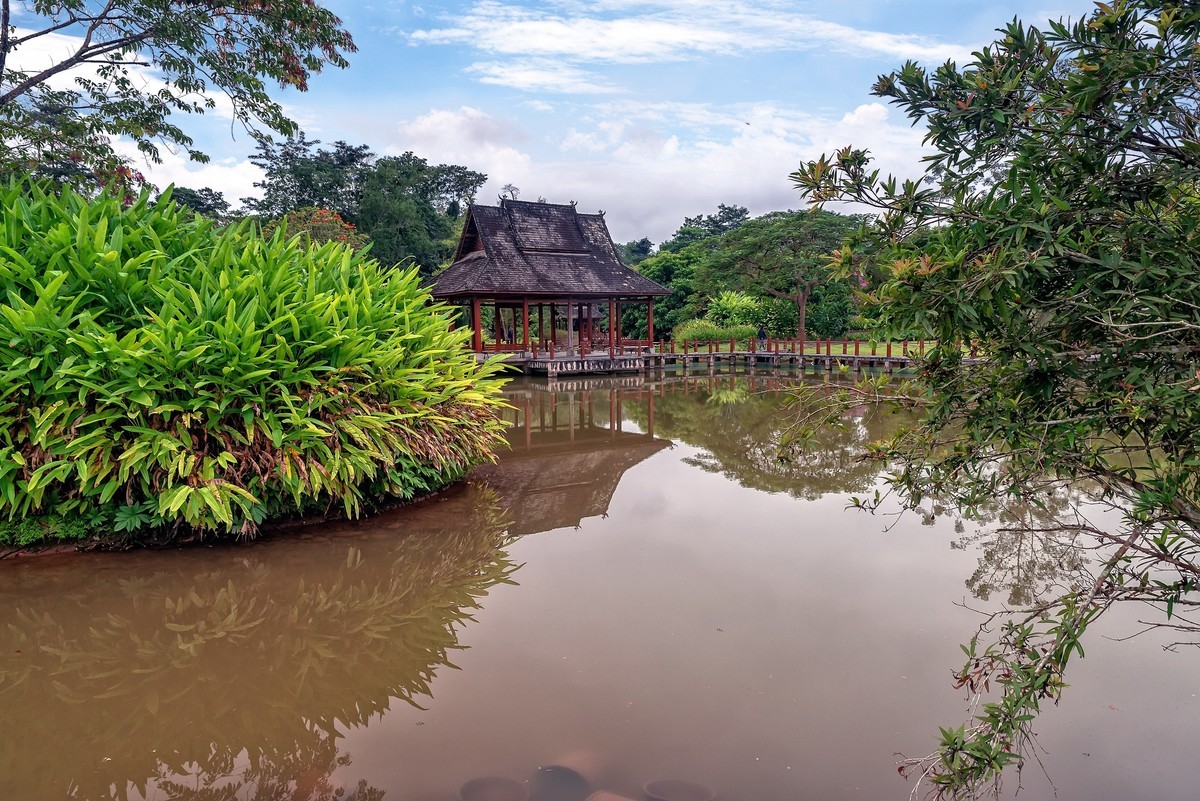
802	309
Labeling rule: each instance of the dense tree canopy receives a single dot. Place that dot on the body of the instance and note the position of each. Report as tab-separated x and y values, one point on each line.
133	64
782	259
1078	274
296	174
636	251
204	201
404	205
704	226
785	255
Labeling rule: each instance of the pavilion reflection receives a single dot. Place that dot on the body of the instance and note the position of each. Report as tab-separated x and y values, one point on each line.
571	441
570	447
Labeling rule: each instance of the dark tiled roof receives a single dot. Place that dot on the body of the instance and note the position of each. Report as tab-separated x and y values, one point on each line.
539	249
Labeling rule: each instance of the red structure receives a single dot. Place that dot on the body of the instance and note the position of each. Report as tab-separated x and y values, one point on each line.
543	279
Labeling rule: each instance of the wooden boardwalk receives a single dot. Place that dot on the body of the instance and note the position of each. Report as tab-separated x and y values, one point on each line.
828	355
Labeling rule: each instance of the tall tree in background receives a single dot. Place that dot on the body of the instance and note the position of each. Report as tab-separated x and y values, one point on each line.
296	175
404	205
135	63
783	255
1079	274
705	226
451	187
398	212
204	201
635	251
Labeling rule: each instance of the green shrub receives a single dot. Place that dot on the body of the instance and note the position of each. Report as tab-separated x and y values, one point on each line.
731	308
782	317
156	372
830	311
702	330
699	330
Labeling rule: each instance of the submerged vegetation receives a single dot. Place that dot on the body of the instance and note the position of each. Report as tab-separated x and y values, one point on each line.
160	375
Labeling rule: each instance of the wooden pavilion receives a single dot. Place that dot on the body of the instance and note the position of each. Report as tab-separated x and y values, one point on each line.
550	278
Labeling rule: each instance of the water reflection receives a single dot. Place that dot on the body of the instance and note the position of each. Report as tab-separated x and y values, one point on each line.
737	421
568	452
711	624
1029	552
234	674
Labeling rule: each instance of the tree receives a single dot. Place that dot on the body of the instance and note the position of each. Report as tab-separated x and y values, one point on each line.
704	226
397	212
1078	276
783	255
726	219
636	251
451	187
204	201
297	175
404	204
676	272
137	62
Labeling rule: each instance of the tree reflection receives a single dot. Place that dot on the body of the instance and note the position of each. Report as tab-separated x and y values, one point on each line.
233	680
1029	552
738	422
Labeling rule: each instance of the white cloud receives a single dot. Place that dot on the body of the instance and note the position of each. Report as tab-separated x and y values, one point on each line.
233	178
466	136
540	75
648	167
656	32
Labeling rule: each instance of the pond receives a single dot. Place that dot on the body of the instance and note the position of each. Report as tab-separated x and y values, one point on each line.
639	590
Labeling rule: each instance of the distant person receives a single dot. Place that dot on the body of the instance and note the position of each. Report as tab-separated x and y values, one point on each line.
762	335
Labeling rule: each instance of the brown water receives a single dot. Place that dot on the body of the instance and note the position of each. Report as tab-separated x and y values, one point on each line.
639	589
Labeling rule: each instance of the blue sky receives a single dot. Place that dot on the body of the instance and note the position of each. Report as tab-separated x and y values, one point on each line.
650	111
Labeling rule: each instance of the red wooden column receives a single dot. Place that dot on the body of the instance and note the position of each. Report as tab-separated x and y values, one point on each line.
617	323
650	322
571	324
525	321
612	331
476	325
591	329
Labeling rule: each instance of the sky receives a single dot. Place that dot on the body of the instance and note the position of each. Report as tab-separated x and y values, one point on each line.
650	110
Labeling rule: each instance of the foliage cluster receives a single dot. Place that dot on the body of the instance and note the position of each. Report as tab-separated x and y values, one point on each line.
703	330
319	226
735	308
1059	231
59	118
158	373
780	260
408	208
